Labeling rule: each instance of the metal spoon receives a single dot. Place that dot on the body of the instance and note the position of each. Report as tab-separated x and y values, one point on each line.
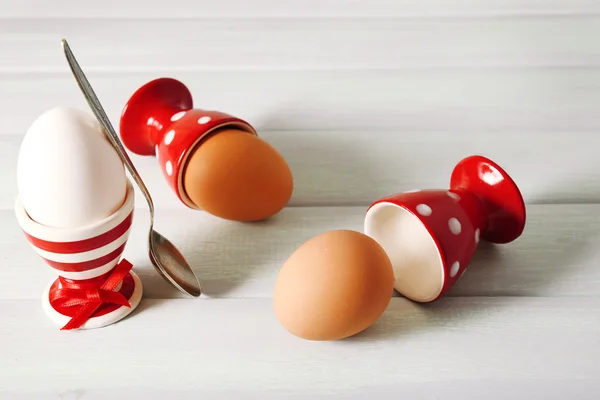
165	257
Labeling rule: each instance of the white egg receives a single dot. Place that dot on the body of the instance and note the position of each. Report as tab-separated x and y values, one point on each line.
68	173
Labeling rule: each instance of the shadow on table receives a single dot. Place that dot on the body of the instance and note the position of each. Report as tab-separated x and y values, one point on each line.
330	167
556	255
252	253
239	254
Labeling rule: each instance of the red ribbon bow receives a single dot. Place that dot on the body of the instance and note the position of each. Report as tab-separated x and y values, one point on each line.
90	294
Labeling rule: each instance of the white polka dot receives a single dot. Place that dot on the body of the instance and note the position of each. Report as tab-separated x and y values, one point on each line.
177	116
424	210
454	269
453	195
477	235
204	120
169	137
454	226
169	168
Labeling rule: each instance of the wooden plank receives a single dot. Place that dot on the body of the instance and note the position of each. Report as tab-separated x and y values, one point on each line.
452	102
151	44
357	167
457	348
292	8
556	256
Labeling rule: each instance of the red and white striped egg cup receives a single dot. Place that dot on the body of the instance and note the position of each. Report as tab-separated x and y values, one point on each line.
82	254
431	235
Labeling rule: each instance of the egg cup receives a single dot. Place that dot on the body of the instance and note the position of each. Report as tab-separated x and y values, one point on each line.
431	235
93	289
159	120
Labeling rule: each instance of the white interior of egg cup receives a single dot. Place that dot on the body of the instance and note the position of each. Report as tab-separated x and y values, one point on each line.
414	253
52	234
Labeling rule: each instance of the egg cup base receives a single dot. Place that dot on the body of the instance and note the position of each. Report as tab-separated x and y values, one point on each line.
171	92
96	321
498	191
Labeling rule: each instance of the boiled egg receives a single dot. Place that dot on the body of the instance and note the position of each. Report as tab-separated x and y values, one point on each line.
335	285
68	174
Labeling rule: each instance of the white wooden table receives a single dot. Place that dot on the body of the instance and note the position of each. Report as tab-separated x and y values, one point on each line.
363	100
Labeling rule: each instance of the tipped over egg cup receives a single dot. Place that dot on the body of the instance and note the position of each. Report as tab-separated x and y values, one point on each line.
211	160
430	236
419	243
84	258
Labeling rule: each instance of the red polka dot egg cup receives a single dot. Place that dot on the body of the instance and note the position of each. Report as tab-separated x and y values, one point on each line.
86	259
431	235
159	120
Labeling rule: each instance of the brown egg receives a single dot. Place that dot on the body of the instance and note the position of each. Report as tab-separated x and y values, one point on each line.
335	285
238	176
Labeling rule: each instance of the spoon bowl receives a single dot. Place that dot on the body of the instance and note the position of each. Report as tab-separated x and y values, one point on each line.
168	261
164	256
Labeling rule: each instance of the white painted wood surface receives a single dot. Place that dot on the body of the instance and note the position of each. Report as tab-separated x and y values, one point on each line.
303	43
557	255
464	100
526	315
115	9
357	167
363	98
459	348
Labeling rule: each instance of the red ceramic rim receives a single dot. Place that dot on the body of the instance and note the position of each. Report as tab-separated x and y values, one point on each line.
181	164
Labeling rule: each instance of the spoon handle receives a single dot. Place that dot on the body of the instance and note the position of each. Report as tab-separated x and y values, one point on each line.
98	111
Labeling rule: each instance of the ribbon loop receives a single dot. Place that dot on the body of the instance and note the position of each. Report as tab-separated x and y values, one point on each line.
88	296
